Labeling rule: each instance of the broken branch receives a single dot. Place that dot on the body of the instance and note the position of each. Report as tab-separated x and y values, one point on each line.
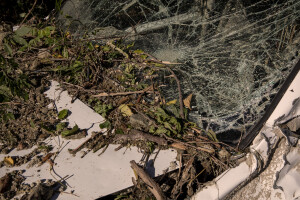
188	145
151	184
139	135
104	94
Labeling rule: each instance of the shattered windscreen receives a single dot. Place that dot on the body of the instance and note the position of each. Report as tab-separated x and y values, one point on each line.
233	55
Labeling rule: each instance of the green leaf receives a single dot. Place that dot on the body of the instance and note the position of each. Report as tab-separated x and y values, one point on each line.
23	30
161	130
212	135
73	131
65	53
63	114
61	126
5	90
46	128
177	124
105	124
106	48
138	51
119	131
32	124
152	129
174	110
90	46
19	40
50	28
143	56
161	113
8	49
168	126
8	116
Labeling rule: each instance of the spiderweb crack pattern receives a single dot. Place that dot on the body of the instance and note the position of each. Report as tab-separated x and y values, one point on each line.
235	54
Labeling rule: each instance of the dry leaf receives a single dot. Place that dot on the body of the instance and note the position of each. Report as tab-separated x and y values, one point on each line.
125	110
187	101
43	54
178	146
9	160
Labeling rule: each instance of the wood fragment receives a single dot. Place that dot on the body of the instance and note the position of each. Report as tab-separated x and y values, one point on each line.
151	184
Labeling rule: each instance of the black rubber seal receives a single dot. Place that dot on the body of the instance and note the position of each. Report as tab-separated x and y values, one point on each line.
254	130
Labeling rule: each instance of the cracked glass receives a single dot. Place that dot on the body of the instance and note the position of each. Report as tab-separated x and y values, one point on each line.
233	55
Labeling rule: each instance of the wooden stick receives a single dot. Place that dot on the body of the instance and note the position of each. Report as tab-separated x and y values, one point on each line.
151	184
104	94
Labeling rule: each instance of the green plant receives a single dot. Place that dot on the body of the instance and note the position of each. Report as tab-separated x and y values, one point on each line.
13	82
58	4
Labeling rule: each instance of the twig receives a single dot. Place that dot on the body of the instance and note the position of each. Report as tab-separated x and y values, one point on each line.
70	193
151	184
14	103
139	135
153	59
184	178
28	12
186	144
103	150
104	94
179	92
74	151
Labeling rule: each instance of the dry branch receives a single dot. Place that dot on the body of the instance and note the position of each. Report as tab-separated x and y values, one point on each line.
139	135
208	150
105	94
151	184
